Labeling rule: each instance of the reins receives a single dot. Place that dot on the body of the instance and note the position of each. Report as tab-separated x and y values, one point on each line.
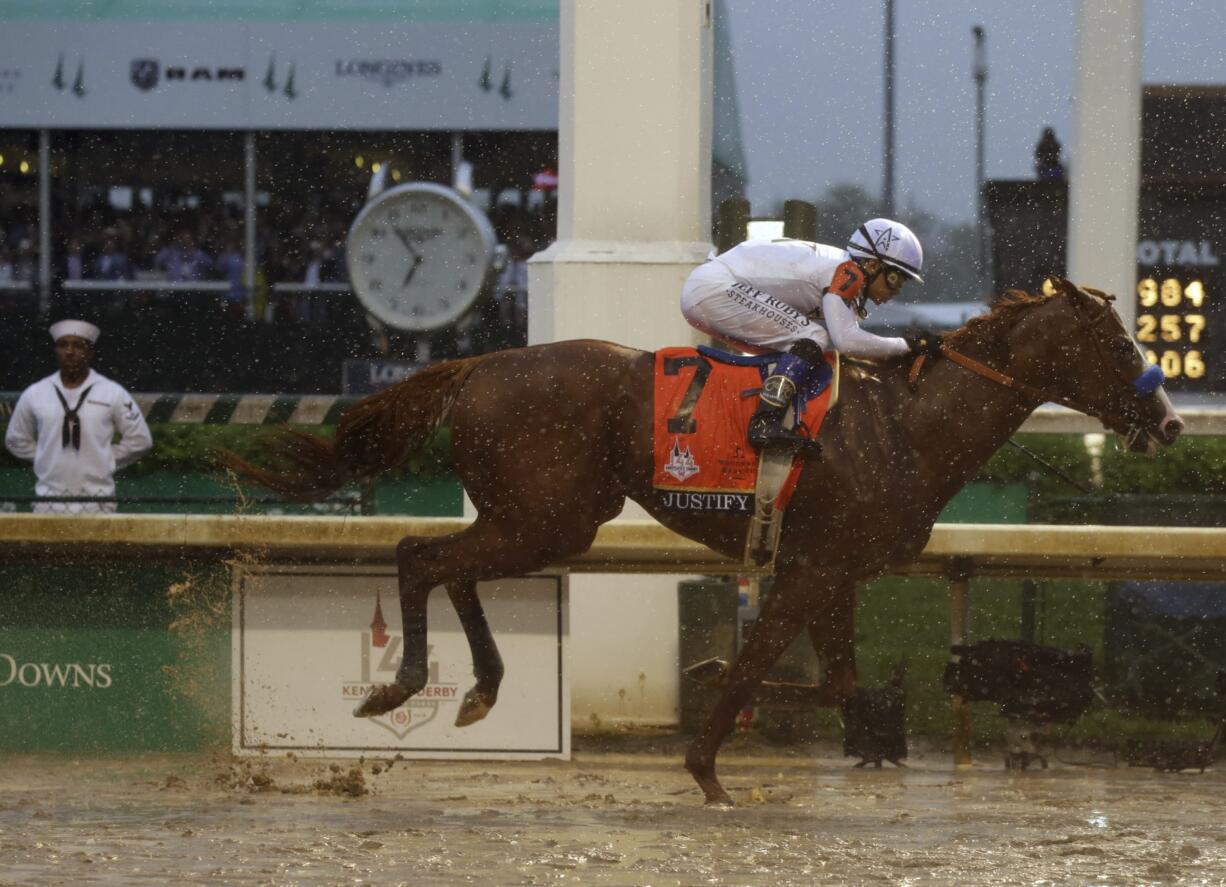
1038	395
981	369
1144	384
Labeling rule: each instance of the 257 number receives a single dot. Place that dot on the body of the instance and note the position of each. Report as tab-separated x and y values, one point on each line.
1169	327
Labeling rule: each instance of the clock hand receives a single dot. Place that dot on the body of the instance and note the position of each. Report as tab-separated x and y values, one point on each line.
408	244
412	270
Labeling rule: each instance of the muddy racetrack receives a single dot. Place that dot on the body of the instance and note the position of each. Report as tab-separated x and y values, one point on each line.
614	815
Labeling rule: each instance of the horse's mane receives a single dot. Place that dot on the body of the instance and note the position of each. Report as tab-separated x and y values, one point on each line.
988	327
979	330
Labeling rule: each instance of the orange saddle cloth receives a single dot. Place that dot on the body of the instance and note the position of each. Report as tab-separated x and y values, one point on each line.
703	402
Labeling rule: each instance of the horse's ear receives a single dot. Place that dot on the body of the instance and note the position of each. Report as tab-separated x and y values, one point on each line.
1055	284
1013	296
1106	297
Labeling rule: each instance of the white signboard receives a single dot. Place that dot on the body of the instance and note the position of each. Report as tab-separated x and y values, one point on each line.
310	642
279	75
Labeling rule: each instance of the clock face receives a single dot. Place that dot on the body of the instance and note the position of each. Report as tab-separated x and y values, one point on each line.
418	256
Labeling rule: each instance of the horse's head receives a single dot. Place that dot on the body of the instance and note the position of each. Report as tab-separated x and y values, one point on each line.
1074	348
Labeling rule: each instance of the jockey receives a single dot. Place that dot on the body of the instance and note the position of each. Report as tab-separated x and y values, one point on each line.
804	298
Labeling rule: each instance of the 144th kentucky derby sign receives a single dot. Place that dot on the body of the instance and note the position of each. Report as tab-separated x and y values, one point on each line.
310	642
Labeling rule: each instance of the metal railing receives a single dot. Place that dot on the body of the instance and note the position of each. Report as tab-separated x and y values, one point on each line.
361	503
311	289
143	286
179	286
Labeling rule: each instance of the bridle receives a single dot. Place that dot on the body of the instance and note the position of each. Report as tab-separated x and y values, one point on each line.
1145	384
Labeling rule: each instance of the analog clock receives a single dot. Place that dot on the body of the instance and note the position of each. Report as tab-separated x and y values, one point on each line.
418	255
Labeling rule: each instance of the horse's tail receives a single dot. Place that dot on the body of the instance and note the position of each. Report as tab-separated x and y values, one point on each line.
377	433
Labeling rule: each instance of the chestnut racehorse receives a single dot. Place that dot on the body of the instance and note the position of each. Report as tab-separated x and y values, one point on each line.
549	441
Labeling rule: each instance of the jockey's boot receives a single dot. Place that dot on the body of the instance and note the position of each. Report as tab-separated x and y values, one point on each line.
766	429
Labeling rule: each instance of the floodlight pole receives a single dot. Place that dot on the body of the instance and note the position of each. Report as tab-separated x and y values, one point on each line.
981	81
44	223
887	188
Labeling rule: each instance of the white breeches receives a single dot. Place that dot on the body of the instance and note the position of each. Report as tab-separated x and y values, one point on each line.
713	301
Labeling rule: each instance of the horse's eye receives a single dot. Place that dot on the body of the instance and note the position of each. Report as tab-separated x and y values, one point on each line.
1123	346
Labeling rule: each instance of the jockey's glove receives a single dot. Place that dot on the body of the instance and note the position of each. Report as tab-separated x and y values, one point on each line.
924	343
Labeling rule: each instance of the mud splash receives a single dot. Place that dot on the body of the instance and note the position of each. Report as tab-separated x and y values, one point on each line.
256	776
200	604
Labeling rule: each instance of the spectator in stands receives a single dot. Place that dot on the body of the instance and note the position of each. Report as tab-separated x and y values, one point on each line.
1047	163
74	260
112	262
511	292
183	260
25	266
66	425
313	274
230	266
309	308
20	227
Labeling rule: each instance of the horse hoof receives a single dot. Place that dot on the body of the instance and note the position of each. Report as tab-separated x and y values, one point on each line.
381	700
720	800
474	708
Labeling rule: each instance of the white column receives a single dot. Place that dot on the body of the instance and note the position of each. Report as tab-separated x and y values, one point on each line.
634	146
634	218
1105	166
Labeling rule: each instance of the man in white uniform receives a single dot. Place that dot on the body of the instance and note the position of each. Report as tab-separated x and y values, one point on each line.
804	298
66	424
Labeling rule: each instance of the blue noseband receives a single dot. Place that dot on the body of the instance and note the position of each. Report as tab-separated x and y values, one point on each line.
1149	381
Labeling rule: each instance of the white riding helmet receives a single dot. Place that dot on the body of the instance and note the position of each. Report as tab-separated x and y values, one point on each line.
891	242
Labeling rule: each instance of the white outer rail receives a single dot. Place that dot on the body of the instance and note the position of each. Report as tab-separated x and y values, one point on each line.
957	552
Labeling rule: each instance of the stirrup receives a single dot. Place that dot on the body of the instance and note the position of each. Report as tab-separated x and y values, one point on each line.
798	444
766	431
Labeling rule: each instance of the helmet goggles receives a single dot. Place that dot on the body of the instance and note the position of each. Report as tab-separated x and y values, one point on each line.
894	279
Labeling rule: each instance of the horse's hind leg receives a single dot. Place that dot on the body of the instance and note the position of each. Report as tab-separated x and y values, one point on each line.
424	562
415	588
487	663
487	549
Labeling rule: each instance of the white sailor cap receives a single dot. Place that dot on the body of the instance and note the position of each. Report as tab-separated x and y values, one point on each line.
75	328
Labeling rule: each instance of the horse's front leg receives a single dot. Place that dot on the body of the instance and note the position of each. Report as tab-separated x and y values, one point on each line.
833	637
487	663
780	622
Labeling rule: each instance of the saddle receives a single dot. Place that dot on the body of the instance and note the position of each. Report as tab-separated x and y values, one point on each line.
703	400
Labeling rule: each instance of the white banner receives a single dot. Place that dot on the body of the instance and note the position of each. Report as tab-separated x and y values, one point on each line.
278	75
310	642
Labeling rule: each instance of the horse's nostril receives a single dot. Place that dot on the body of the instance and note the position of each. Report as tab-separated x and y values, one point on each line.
1171	429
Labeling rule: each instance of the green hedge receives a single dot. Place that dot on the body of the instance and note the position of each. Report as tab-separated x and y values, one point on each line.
1196	465
188	448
